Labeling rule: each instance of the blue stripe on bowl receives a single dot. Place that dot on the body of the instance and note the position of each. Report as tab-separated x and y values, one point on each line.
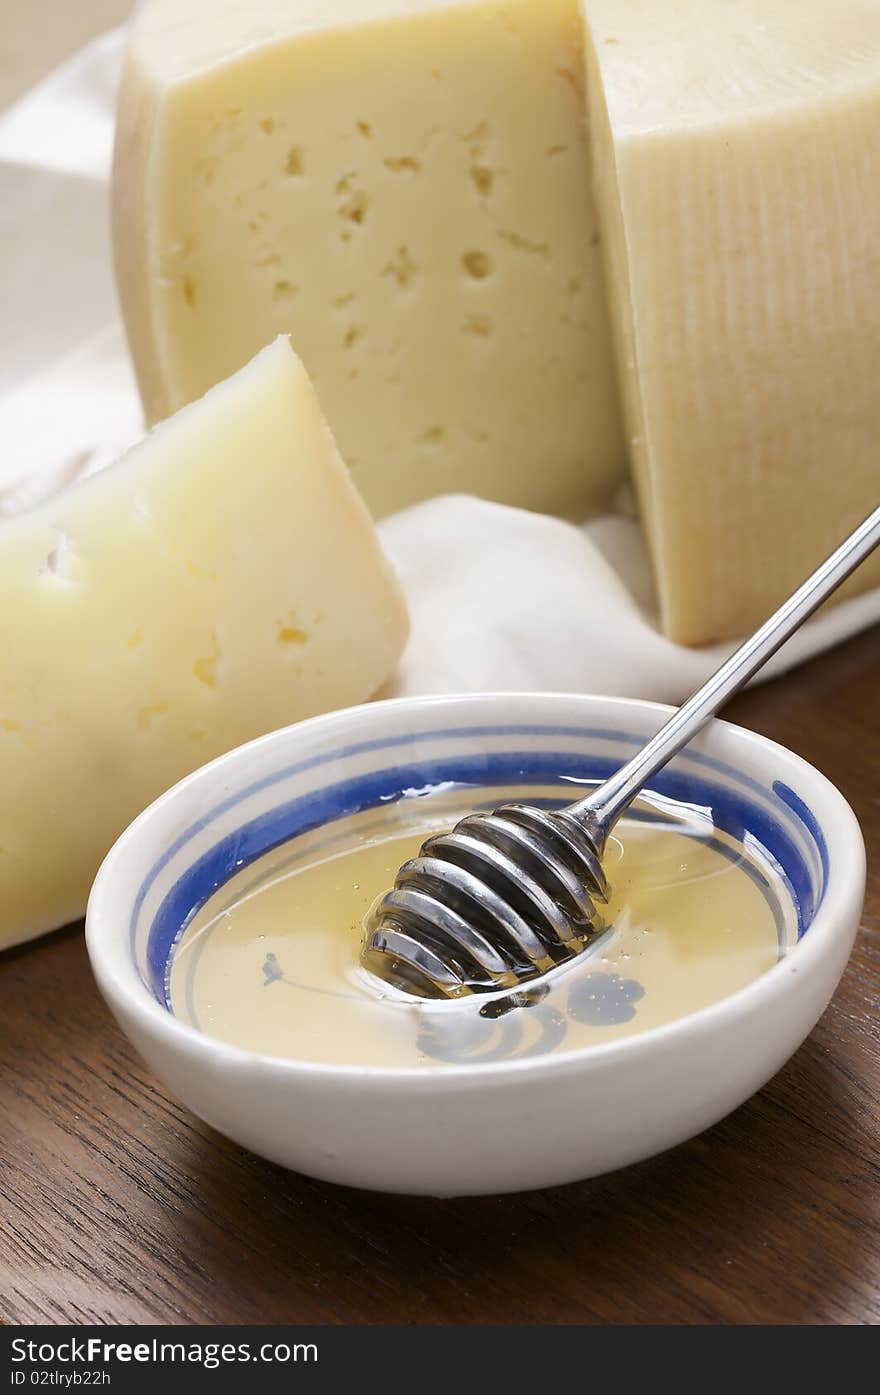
732	810
809	821
389	743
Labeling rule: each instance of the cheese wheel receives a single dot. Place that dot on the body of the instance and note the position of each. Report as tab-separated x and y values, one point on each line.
737	151
447	201
222	580
403	186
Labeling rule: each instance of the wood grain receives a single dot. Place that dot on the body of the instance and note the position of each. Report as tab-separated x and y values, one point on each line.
117	1206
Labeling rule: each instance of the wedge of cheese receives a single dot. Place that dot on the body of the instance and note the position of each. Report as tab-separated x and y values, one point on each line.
223	579
403	185
444	201
737	151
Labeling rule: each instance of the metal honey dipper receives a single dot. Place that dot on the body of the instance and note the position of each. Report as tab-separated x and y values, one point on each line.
506	896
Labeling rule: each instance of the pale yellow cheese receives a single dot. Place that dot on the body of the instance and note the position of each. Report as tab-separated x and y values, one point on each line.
737	151
425	192
223	579
403	185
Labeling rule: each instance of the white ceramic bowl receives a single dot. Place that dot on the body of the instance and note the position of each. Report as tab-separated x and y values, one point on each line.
490	1127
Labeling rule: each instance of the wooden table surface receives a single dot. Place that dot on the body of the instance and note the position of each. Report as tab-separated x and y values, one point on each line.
117	1206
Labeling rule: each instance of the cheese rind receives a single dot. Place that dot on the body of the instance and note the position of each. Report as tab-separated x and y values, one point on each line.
223	579
403	186
737	170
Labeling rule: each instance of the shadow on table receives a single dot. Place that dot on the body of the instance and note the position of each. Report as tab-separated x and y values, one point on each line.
761	1219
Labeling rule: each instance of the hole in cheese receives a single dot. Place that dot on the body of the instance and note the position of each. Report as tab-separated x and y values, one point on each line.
62	560
149	712
402	268
483	179
294	165
205	670
479	325
477	264
291	633
403	164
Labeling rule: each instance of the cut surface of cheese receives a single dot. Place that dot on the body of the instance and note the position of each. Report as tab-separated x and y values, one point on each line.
221	580
403	186
737	172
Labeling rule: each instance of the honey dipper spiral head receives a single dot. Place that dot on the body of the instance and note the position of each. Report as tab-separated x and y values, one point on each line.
499	900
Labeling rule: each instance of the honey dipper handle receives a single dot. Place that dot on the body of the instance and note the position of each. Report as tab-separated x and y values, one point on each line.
601	809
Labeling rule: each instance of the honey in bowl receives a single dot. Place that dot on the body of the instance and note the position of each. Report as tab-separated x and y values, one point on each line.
271	962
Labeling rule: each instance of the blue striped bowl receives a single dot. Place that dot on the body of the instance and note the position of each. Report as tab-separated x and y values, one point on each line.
490	1127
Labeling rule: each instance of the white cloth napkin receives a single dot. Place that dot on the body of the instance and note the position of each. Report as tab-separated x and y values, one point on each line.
499	598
